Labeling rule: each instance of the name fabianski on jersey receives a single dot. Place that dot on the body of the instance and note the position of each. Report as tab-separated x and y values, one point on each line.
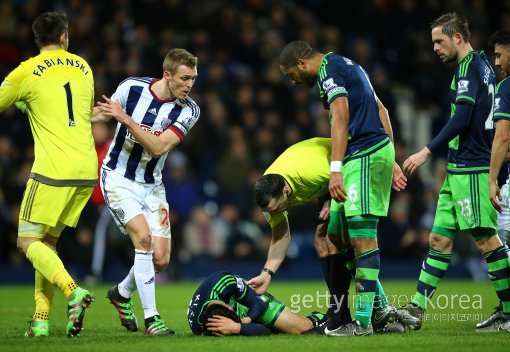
45	64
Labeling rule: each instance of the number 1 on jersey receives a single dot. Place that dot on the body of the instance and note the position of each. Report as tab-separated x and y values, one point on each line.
69	96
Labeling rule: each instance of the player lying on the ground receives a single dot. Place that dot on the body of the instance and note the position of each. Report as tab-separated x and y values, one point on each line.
225	305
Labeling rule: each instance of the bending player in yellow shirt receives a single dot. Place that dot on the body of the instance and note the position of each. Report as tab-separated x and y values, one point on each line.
56	90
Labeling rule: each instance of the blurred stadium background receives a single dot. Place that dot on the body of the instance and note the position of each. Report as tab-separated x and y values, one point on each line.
249	116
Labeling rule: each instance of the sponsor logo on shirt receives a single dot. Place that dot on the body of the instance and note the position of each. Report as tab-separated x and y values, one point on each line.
145	128
462	87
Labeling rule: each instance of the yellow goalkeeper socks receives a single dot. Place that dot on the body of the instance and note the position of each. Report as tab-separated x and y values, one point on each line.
51	267
43	297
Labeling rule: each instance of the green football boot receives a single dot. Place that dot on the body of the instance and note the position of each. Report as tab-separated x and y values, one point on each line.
38	328
77	303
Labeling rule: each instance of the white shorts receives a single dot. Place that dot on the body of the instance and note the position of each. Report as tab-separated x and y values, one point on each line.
127	199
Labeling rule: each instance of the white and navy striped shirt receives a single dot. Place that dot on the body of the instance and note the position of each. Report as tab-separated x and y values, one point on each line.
128	157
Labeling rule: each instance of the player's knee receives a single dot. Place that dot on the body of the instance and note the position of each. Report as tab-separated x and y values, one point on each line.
24	242
161	262
440	243
141	240
488	244
320	246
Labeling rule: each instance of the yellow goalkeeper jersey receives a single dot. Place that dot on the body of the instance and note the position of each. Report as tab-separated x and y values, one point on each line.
56	90
305	167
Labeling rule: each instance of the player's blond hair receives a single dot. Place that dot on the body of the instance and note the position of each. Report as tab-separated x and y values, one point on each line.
178	57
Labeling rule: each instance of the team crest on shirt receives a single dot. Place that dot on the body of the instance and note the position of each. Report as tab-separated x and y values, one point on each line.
496	103
462	87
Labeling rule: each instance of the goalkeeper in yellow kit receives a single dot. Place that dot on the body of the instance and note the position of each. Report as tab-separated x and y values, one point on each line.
56	90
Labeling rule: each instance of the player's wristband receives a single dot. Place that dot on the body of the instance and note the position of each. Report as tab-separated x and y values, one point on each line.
335	166
269	271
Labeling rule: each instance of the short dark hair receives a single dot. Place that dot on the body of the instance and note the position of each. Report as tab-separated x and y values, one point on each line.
501	37
177	57
48	27
452	23
218	309
294	51
267	187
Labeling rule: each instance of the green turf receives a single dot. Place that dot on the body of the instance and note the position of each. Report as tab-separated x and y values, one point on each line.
102	330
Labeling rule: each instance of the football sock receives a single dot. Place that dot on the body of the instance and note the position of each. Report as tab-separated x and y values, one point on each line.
499	273
380	299
433	270
43	297
145	281
367	272
339	278
128	285
50	266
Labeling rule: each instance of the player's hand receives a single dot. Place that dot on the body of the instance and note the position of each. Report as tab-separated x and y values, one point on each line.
495	196
222	326
260	283
113	109
324	213
416	160
399	181
336	187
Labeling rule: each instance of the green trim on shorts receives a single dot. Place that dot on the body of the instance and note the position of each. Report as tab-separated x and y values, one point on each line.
453	169
367	151
444	232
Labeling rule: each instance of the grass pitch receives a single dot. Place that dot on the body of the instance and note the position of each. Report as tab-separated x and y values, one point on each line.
451	318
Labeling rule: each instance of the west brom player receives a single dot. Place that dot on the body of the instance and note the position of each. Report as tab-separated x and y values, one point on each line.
464	200
154	115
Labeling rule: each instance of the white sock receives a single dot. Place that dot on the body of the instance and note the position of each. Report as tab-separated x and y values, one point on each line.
145	282
128	285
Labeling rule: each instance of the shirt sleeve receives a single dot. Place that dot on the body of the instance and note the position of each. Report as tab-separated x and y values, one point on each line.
254	329
121	93
186	119
502	101
458	122
275	219
11	89
333	83
248	298
467	85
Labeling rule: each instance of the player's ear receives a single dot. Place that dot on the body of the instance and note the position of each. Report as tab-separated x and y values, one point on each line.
302	64
167	75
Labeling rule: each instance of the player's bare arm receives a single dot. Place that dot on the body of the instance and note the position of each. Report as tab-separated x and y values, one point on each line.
155	145
399	181
416	160
280	242
339	110
99	116
498	154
